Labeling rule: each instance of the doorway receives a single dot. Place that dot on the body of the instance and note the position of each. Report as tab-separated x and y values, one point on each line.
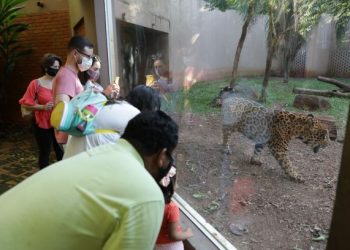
138	48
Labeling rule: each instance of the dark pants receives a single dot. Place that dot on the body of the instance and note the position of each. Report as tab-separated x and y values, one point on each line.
45	138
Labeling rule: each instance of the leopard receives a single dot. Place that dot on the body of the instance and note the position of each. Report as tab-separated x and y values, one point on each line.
272	128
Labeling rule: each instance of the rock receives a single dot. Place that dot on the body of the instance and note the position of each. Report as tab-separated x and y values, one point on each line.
311	103
238	229
330	122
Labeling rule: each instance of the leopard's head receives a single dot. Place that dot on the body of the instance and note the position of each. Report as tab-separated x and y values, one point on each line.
314	133
223	94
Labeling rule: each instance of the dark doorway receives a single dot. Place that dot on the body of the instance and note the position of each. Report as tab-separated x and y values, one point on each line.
138	48
79	28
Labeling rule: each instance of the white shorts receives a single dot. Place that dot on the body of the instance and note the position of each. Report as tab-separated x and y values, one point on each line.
177	245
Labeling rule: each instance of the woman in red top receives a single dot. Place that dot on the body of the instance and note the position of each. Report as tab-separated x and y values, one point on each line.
39	99
171	235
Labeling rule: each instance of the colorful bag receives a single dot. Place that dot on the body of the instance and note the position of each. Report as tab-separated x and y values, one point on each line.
76	116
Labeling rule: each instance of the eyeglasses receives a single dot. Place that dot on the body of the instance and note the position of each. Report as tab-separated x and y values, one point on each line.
86	55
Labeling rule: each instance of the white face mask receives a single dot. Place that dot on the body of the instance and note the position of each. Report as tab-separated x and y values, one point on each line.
85	64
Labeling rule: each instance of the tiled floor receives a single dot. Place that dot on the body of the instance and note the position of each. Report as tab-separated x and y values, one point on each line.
18	156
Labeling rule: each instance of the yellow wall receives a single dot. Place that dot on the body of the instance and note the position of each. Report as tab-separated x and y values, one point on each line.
30	6
84	8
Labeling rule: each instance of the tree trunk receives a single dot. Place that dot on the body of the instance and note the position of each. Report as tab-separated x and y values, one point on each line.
270	53
272	39
286	67
240	44
327	93
344	86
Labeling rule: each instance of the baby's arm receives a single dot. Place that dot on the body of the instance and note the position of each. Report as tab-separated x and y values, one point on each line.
179	235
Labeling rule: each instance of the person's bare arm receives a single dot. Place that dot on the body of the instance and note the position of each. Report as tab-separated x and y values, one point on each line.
47	106
179	235
61	97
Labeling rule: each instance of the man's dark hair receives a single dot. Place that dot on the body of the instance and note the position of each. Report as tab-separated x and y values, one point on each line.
48	60
144	98
79	43
151	131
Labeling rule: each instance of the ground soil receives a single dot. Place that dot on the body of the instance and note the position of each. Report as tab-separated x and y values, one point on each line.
226	189
275	212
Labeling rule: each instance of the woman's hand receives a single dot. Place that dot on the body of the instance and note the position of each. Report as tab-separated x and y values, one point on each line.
112	90
48	106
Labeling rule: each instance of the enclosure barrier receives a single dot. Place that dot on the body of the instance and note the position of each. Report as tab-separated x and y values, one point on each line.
205	236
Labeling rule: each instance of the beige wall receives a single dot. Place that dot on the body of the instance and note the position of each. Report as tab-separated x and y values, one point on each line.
30	6
84	8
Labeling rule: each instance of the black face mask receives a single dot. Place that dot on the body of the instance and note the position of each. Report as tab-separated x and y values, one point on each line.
51	72
164	171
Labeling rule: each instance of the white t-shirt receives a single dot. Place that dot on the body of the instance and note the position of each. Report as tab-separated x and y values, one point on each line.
111	117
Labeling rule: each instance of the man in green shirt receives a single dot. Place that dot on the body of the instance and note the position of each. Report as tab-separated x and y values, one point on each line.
105	198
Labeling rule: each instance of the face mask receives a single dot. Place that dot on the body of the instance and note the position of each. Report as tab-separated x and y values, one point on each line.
93	75
85	64
51	71
164	171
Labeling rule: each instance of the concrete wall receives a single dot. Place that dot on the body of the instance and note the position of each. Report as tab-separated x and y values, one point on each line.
148	13
207	40
202	40
319	45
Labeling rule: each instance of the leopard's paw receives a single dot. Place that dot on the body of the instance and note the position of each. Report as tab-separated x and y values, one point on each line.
297	178
255	161
227	150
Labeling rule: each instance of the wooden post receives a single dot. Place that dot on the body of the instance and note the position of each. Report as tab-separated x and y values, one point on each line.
340	228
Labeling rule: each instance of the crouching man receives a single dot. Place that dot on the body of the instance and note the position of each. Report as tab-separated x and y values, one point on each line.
105	198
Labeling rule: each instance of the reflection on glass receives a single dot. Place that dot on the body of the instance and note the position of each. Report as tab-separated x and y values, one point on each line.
261	132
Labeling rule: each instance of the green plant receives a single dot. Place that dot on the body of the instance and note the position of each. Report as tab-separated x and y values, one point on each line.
10	48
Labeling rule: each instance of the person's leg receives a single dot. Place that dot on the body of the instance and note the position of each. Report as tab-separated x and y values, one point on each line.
58	149
43	138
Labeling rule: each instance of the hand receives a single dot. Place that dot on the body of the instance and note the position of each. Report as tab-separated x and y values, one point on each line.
189	232
48	106
115	88
112	90
108	90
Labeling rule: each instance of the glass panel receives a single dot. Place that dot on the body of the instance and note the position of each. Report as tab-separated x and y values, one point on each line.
274	187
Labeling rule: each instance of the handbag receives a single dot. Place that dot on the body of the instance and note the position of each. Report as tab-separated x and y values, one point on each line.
26	113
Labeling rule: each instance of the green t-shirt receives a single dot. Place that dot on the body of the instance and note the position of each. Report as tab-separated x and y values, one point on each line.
100	199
